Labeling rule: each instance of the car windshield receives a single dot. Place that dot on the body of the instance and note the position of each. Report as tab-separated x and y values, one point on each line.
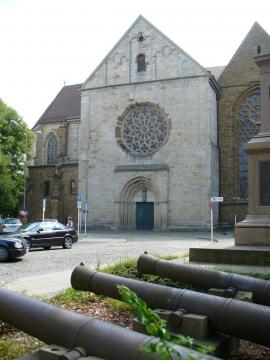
29	227
12	221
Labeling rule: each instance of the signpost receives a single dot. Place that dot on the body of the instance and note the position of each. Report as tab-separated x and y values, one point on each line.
214	199
44	205
79	206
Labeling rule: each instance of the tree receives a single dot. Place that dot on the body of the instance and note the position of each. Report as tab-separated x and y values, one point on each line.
12	158
7	199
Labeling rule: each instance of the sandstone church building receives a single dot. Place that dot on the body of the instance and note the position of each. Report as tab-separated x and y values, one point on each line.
150	137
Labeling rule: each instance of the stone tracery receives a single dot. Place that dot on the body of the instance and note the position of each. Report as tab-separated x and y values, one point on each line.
144	130
249	113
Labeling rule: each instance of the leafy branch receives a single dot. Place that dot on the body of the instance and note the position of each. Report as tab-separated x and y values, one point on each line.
155	326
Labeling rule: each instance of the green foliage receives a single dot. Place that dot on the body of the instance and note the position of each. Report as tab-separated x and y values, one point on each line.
12	154
7	188
12	349
156	327
128	268
71	296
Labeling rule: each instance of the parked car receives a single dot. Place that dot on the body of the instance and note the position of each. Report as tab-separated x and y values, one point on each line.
12	247
52	220
11	225
47	234
1	224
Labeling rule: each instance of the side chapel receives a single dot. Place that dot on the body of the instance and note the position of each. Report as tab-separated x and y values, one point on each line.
149	137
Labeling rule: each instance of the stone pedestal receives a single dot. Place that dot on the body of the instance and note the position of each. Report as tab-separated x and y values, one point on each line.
255	229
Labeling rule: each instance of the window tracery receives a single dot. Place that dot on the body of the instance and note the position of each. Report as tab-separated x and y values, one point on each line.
249	113
52	150
144	130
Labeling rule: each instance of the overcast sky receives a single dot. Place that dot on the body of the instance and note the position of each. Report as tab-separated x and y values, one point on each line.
47	43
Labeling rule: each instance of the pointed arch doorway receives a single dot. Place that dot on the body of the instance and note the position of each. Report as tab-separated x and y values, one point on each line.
140	205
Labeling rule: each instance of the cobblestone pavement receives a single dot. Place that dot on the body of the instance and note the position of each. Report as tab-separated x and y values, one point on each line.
106	248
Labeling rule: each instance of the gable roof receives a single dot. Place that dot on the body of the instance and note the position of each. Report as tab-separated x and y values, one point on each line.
244	58
139	18
67	104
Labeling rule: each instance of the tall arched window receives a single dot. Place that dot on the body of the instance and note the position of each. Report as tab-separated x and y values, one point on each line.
141	63
52	150
249	113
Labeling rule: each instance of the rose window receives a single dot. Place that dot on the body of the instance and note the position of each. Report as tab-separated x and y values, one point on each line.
250	108
144	130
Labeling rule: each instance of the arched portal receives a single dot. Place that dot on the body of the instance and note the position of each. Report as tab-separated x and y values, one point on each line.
140	197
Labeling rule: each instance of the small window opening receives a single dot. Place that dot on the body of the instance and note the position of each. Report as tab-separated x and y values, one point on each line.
46	188
258	49
141	63
73	187
140	36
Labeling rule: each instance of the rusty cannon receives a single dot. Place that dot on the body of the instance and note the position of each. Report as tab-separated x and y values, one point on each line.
71	330
206	279
236	318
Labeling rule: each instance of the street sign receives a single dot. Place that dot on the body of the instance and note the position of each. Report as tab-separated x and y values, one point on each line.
210	205
217	199
79	204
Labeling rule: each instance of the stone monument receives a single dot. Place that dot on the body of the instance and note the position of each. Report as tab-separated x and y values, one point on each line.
255	229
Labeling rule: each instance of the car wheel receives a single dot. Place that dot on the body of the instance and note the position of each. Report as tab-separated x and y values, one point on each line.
46	247
28	244
3	254
68	243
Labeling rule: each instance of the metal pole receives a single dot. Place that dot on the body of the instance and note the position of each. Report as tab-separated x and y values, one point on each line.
212	230
85	213
25	164
78	227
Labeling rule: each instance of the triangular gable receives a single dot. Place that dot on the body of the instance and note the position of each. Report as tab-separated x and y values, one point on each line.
242	69
119	64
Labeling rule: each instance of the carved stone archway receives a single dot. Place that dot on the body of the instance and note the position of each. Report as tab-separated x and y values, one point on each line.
127	204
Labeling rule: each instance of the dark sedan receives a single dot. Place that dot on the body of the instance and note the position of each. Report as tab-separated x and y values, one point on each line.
46	234
12	248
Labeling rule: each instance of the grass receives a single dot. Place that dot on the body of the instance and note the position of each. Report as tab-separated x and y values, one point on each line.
70	296
11	348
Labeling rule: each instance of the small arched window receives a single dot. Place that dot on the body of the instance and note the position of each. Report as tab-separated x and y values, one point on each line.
52	150
141	63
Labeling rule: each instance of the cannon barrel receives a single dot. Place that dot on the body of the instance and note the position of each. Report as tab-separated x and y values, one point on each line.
205	278
58	326
228	316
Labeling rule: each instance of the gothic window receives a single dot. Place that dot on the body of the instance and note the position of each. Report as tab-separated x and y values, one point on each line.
52	150
46	188
73	187
141	63
249	114
144	130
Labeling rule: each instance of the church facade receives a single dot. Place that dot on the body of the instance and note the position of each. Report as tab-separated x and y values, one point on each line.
149	137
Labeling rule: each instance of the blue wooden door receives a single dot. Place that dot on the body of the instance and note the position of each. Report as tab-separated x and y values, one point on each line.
144	215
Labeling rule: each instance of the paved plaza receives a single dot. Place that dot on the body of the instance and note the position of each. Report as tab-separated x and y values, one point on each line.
46	272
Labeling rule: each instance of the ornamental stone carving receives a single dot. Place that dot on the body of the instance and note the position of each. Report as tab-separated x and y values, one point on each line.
143	129
250	108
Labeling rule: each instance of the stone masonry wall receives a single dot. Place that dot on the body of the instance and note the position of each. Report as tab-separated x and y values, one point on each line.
60	202
187	103
240	75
